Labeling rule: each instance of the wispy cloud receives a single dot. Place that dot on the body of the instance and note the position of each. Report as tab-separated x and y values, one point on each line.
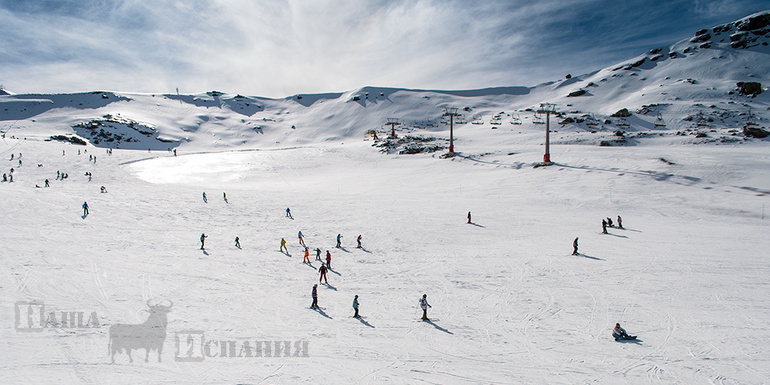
279	48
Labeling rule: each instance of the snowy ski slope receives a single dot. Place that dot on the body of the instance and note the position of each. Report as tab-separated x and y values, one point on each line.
510	304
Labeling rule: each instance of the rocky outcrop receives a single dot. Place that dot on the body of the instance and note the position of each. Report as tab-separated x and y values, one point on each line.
755	132
624	113
749	88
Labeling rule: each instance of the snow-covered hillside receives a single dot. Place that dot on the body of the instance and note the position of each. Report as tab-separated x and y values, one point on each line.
689	88
687	273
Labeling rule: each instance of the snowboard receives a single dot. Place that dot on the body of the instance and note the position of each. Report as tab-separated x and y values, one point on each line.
626	338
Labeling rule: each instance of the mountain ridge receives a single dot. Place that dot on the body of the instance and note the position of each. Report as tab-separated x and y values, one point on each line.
706	69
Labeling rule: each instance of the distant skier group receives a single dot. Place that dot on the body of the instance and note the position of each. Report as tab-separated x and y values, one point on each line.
608	223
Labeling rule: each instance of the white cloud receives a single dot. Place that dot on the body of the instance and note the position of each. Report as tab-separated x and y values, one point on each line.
279	48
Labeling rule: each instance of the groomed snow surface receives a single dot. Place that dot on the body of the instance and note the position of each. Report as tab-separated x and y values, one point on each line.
688	274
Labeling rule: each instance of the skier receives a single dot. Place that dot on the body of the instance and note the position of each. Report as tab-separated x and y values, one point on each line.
315	297
575	247
283	246
301	240
359	242
237	242
604	226
424	305
318	254
205	200
11	156
224	195
322	270
307	256
355	306
328	259
620	222
469	217
5	178
46	183
339	241
609	222
203	239
288	213
103	190
85	206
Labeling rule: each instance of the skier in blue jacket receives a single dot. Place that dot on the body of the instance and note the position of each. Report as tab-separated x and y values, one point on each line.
315	297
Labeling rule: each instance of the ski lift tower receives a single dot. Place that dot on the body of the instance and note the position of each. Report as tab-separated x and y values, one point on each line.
547	109
451	113
393	122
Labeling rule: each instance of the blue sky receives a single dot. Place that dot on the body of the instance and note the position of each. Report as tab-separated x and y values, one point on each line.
281	48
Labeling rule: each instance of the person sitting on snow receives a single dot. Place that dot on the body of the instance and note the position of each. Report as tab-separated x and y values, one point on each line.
619	332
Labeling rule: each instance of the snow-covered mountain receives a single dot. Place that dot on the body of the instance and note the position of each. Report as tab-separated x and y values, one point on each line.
488	237
691	87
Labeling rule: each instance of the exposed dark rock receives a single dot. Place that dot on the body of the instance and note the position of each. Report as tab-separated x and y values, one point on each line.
638	63
701	38
70	139
749	88
623	113
752	23
739	44
701	32
608	143
755	132
579	92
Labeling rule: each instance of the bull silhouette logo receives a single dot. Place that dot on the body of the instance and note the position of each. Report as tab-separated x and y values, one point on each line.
149	335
